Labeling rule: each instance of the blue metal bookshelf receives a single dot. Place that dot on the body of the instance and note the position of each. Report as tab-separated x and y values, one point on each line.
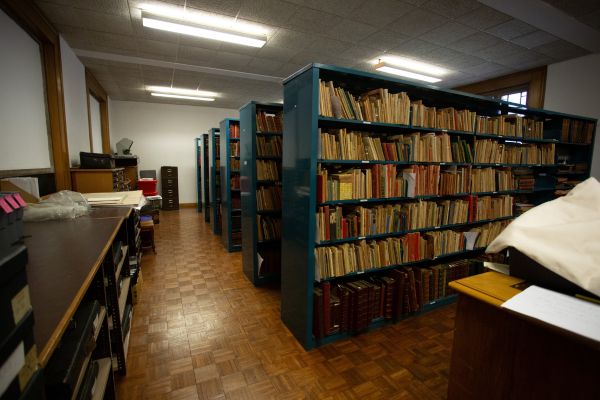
231	229
301	159
261	259
205	176
214	161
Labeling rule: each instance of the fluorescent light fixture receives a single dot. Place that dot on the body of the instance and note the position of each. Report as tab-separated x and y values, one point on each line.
411	65
185	92
192	16
178	96
406	74
202	32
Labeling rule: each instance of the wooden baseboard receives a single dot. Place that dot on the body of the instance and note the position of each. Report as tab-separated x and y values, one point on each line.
188	205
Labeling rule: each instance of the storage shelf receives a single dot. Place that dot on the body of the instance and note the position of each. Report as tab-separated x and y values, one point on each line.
381	322
226	127
408	264
214	178
367	162
249	148
512	165
515	138
124	256
401	233
389	199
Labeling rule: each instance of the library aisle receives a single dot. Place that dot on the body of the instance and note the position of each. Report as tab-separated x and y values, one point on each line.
201	330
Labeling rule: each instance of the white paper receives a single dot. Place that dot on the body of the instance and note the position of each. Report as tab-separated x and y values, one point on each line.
27	184
566	312
411	180
11	367
470	238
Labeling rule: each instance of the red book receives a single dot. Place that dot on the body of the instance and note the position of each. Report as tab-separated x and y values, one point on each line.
344	228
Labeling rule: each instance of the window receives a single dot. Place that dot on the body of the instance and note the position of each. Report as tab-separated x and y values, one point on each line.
516	97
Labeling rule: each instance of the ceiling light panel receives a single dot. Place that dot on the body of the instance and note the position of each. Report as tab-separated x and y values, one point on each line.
177	96
191	16
382	67
185	92
412	65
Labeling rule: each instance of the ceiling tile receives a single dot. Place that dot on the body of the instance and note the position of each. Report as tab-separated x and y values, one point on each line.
575	8
361	53
350	31
196	56
231	60
488	69
451	8
415	2
502	49
263	66
312	21
382	13
111	40
225	7
447	33
475	42
329	46
337	7
417	22
524	59
384	40
560	50
289	38
511	29
165	51
277	53
591	19
272	12
483	17
415	48
534	39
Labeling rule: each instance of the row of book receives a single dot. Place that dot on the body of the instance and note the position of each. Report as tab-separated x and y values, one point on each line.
577	131
339	144
269	228
334	223
390	181
352	306
234	149
234	131
267	170
365	255
269	146
491	151
442	118
378	105
268	198
511	125
271	122
235	164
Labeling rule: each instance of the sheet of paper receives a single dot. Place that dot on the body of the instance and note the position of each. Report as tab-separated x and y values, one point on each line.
470	238
566	312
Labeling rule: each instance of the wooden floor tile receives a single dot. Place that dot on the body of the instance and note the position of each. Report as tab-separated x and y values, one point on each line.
201	331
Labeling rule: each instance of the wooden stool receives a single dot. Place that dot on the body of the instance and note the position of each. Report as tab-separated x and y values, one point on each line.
147	233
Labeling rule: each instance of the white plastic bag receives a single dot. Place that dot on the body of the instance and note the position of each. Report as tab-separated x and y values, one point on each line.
62	205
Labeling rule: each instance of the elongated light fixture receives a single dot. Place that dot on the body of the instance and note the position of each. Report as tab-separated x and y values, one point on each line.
204	32
181	91
179	96
382	67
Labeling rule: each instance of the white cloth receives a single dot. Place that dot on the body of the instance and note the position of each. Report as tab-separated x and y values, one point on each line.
563	235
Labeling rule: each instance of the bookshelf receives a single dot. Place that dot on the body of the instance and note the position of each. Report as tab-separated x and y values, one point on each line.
199	197
205	173
261	193
409	160
214	179
231	208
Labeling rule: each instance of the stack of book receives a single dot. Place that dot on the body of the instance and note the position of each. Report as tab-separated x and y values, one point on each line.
510	125
577	131
267	170
269	228
269	146
490	207
444	118
269	122
268	198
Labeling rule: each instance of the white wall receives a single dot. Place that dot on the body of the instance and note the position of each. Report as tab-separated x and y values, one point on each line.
95	124
165	134
24	141
573	87
75	103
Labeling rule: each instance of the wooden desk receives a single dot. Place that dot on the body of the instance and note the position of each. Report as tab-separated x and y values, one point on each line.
498	354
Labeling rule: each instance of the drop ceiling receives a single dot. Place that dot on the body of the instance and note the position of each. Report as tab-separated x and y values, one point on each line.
474	41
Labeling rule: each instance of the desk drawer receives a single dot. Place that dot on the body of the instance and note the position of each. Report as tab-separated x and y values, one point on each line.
168	172
170	204
170	183
170	193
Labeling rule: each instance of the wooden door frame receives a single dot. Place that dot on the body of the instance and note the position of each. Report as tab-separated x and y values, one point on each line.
93	88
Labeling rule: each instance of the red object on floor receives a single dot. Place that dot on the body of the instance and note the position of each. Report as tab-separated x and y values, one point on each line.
148	186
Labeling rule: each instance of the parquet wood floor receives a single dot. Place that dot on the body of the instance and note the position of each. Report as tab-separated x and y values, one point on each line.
202	331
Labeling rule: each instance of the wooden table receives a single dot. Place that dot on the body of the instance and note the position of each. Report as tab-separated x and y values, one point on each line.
498	354
64	257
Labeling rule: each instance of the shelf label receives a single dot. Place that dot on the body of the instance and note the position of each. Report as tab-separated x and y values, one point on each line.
365	162
360	272
367	122
436	227
362	237
363	200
